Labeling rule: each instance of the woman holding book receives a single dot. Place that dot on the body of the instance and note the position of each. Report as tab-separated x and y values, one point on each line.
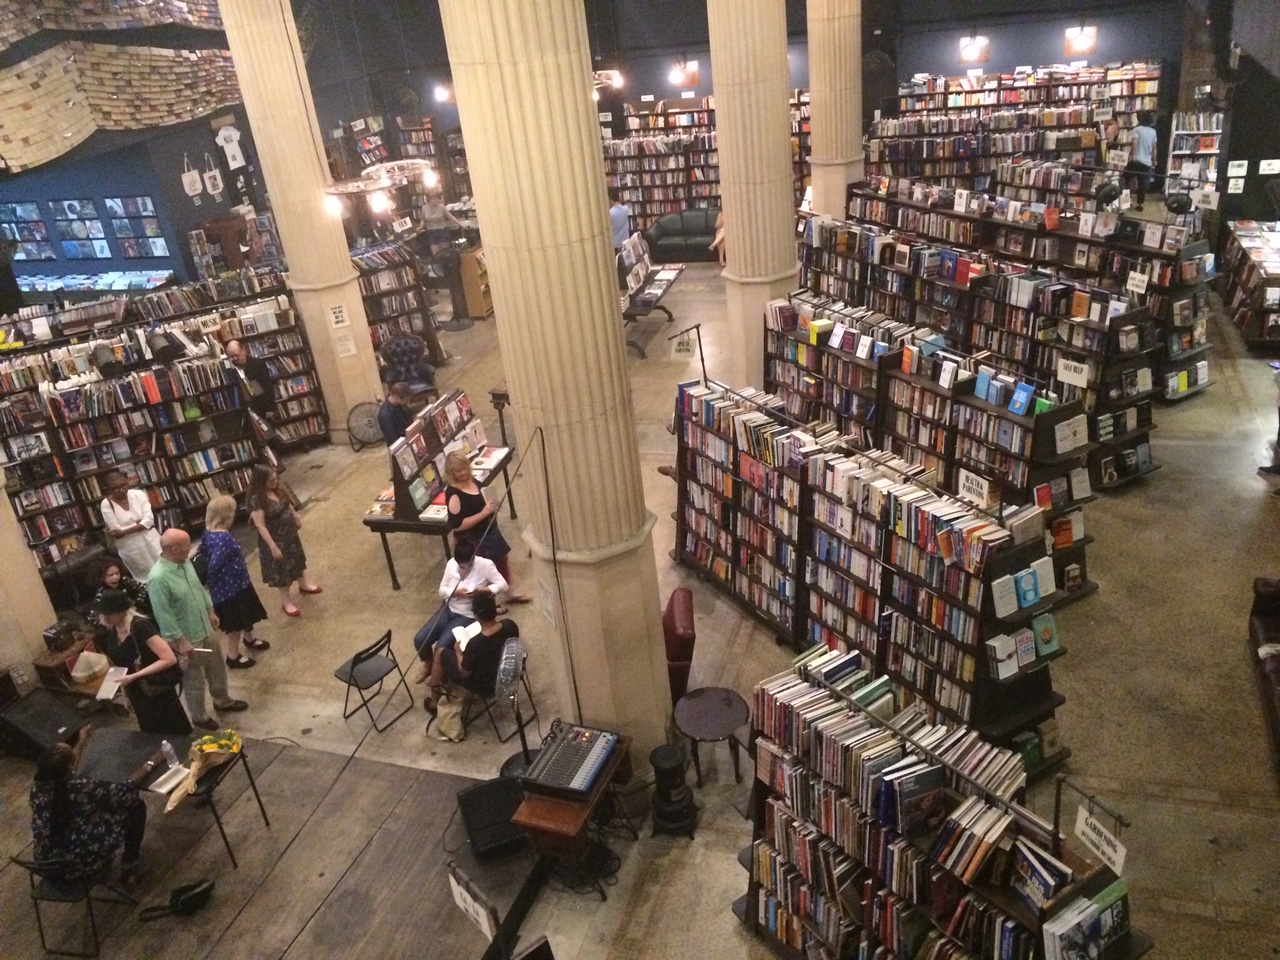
473	519
131	640
280	552
126	513
235	601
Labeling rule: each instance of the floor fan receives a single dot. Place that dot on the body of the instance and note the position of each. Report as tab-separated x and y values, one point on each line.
362	425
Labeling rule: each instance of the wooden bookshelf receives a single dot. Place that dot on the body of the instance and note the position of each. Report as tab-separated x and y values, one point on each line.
800	145
661	174
457	172
395	298
954	129
475	283
1195	138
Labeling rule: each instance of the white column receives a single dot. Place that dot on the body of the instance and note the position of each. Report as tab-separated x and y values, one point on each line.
24	603
753	130
522	77
277	98
835	101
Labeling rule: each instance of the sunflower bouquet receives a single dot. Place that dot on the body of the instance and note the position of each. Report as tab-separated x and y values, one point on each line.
206	753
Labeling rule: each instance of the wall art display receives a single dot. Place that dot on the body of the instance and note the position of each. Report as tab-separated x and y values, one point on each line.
130	207
74	209
22	224
135	247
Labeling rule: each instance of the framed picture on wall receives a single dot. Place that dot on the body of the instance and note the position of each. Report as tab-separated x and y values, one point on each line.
134	218
23	224
74	209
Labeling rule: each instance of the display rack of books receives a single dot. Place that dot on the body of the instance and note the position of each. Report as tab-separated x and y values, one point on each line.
1183	310
800	146
737	511
1252	264
270	331
395	300
475	283
176	427
417	459
955	129
880	832
1195	138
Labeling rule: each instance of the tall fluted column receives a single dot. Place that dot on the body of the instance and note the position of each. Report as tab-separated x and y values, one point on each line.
835	100
522	77
269	64
24	604
753	129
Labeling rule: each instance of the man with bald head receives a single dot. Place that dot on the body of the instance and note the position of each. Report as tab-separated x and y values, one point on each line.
184	613
256	377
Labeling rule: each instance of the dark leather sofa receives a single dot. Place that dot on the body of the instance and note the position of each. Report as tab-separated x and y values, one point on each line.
680	237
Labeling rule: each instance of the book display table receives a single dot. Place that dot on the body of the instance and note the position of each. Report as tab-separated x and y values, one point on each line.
384	525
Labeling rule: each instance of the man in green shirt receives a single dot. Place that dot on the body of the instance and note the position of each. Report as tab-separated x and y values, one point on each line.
184	613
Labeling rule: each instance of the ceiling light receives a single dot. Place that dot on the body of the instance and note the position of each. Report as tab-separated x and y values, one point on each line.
1080	40
676	76
379	202
332	205
442	93
975	49
430	179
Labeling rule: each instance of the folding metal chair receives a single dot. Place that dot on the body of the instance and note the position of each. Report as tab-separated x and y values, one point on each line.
490	698
47	886
369	668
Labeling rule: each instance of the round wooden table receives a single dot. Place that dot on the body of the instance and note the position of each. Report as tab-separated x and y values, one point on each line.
709	715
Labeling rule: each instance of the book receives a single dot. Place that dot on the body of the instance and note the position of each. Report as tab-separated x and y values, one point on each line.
1045	578
1004	596
1050	738
1072	577
1074	932
1025	645
1028	591
1035	875
921	800
1021	400
1045	628
1113	911
1002	652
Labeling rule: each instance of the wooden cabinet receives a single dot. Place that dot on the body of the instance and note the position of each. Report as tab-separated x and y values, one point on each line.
475	283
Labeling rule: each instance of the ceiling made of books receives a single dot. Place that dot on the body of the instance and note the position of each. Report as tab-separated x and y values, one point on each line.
54	100
26	18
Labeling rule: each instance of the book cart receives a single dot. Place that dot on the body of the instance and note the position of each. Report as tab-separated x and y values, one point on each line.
880	833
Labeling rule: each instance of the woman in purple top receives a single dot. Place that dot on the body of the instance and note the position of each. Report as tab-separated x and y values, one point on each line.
235	601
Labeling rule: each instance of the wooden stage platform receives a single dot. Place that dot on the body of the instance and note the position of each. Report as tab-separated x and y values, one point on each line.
353	865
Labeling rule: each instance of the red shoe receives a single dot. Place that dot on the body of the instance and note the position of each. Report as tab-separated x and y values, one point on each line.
312	590
290	610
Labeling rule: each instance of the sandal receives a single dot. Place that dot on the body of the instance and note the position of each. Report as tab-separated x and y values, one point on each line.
253	643
290	610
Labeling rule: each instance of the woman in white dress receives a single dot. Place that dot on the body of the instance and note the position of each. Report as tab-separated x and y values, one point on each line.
127	516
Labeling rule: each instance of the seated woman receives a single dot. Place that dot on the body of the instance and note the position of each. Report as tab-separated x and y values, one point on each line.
466	576
131	640
473	666
84	821
112	575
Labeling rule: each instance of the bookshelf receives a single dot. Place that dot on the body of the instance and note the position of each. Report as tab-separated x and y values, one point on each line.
800	146
416	141
687	116
457	171
1195	138
877	832
955	129
657	175
1182	363
176	427
1251	262
758	497
395	299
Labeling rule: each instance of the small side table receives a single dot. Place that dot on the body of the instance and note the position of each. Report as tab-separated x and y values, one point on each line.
709	715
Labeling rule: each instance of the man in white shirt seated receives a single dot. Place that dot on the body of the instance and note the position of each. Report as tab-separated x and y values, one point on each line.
464	576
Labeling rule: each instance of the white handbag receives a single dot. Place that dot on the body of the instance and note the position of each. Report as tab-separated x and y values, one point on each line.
212	178
191	181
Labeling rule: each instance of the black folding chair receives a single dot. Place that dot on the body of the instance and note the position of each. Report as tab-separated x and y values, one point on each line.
489	698
369	668
48	886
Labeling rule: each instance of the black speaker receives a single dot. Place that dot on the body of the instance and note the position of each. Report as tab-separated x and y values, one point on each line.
487	809
35	723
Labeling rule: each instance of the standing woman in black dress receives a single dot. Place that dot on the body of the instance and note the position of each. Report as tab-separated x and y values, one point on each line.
131	640
472	519
280	552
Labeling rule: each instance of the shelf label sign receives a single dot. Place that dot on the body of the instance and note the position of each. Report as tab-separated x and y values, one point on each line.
1235	185
338	316
1069	371
1137	282
1238	168
1100	840
1208	198
1269	166
605	117
646	98
404	223
974	488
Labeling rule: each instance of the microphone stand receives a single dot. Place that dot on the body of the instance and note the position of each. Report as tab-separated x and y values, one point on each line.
518	764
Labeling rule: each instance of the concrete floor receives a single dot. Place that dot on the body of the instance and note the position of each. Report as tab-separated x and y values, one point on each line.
1161	710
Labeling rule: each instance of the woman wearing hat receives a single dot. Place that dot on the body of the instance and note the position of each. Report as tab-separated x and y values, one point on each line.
131	640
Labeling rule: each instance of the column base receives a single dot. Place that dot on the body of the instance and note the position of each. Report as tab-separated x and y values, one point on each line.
743	366
612	663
